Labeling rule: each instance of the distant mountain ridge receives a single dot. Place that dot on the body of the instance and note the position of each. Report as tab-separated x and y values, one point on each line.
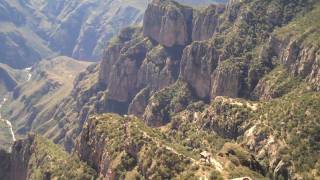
222	92
35	29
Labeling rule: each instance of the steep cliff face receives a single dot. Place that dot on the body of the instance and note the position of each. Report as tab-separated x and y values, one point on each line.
124	75
226	67
296	47
134	62
134	67
192	93
112	53
163	104
198	62
302	58
78	29
168	23
172	24
140	102
226	79
206	21
137	61
38	158
203	68
123	147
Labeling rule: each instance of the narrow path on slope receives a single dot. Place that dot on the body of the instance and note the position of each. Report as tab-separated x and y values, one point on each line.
167	147
218	166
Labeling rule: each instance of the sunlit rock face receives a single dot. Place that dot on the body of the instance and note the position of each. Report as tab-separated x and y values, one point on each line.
35	29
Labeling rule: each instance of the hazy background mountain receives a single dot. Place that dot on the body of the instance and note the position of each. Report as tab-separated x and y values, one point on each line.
31	30
36	29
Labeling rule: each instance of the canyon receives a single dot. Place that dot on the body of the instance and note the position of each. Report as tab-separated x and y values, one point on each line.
35	29
217	92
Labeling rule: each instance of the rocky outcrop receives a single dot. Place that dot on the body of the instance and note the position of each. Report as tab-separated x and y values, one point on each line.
256	140
133	63
205	22
299	62
302	59
199	60
159	70
20	156
139	102
124	75
91	148
241	156
225	116
209	77
115	146
166	102
172	24
271	49
168	23
112	53
38	158
226	80
160	67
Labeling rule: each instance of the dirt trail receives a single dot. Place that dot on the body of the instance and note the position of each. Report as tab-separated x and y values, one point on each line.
145	134
213	161
251	105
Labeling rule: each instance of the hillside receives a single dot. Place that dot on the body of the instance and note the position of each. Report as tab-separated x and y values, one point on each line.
136	151
34	29
218	92
38	158
10	78
31	102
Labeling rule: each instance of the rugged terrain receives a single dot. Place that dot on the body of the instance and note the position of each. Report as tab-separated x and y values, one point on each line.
32	30
35	29
10	78
219	92
38	158
47	84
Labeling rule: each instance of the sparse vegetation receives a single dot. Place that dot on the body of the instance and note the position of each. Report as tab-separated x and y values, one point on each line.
45	159
277	136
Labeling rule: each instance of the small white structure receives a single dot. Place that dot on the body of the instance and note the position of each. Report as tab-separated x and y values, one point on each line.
206	157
